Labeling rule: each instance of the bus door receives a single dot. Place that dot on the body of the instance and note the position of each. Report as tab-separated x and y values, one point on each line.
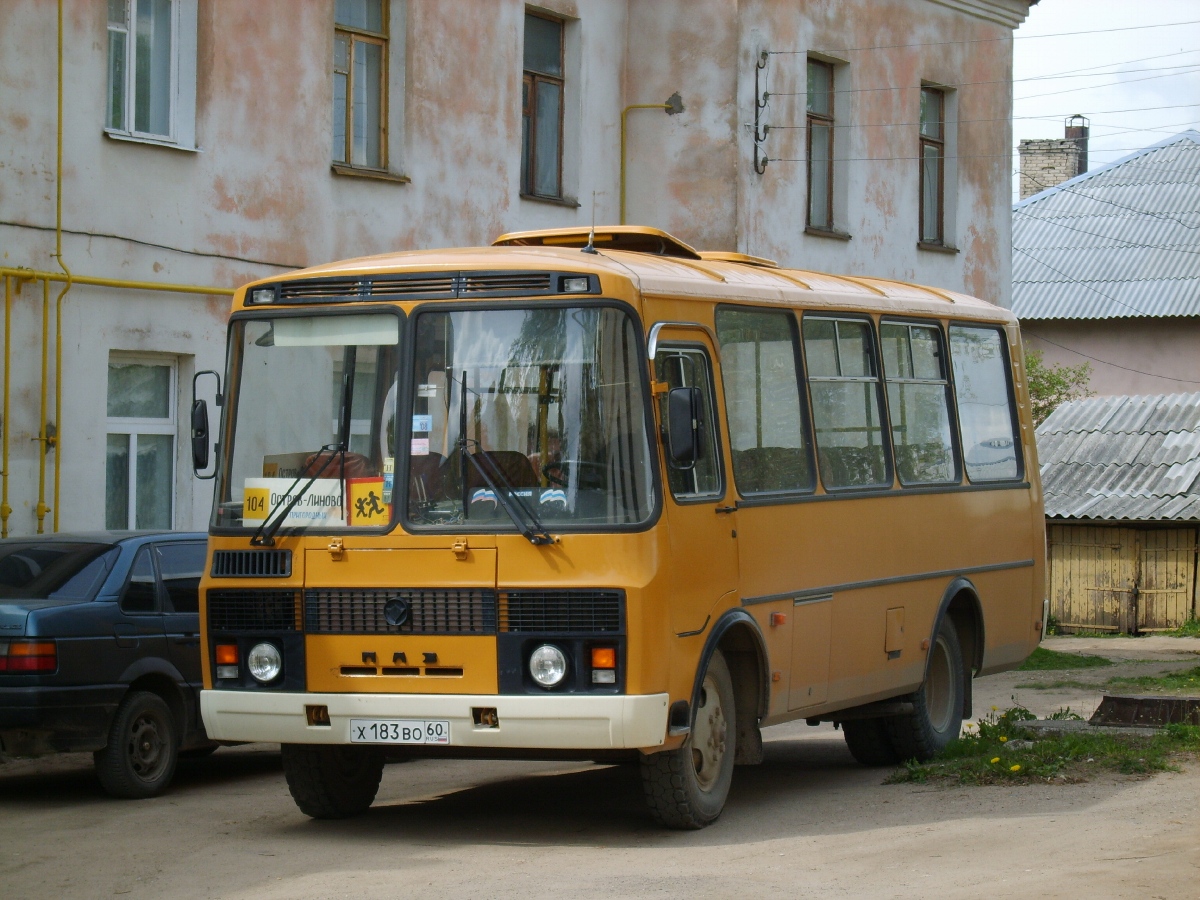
701	523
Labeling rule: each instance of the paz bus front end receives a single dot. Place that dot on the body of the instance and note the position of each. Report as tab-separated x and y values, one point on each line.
432	524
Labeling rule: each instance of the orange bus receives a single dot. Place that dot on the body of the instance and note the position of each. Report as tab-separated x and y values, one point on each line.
597	495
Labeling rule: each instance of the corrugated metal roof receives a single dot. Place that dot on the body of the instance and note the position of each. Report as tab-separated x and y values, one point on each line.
1121	241
1124	458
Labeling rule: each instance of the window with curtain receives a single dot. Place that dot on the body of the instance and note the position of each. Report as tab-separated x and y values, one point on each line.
140	469
542	108
151	91
360	51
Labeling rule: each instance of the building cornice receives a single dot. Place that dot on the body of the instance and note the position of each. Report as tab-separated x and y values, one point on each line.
1003	12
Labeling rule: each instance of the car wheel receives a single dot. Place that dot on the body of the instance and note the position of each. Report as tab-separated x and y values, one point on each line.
143	748
868	742
937	713
686	788
329	782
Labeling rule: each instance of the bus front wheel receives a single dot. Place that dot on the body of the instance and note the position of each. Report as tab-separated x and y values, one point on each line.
686	788
332	782
937	713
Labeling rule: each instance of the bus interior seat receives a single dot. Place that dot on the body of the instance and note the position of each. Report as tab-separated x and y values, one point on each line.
761	469
356	466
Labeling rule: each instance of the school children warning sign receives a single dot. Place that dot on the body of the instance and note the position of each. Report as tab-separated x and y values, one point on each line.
321	504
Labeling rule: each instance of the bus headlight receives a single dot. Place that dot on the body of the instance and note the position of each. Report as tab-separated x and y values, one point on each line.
547	665
264	662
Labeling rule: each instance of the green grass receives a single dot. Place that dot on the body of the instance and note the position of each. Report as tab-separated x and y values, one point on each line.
1043	660
1000	750
1061	684
1186	681
1190	628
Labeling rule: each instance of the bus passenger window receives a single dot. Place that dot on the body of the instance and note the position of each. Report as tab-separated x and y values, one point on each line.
918	402
767	431
843	381
686	367
985	408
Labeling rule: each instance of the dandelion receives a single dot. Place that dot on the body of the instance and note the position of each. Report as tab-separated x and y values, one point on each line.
1003	739
1014	768
994	708
995	759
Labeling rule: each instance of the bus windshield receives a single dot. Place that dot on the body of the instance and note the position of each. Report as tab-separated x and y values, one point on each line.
541	407
307	396
521	419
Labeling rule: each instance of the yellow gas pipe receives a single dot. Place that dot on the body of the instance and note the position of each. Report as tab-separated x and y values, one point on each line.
58	305
67	279
41	509
673	106
5	509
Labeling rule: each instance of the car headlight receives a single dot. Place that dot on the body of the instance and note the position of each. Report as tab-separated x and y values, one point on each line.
547	665
264	662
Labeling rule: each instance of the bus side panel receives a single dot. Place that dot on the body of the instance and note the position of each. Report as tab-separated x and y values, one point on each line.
895	552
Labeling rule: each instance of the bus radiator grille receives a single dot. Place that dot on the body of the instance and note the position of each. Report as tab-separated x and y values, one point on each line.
252	563
232	610
350	611
585	612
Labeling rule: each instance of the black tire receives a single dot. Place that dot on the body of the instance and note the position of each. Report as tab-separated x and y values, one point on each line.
686	788
332	782
937	713
143	748
868	742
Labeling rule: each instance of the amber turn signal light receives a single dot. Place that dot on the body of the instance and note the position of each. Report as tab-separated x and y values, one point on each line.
604	657
227	654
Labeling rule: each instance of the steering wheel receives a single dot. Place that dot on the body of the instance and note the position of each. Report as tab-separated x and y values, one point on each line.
588	475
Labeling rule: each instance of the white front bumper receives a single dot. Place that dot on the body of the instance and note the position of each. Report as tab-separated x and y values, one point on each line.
557	722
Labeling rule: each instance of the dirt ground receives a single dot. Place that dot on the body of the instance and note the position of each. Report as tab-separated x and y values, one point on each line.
808	822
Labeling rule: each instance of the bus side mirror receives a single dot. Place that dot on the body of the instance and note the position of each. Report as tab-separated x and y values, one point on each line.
200	431
199	435
685	424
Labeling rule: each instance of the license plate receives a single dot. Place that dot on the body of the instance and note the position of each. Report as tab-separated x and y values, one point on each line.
399	731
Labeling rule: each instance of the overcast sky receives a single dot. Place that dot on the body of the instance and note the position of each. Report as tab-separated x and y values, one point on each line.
1137	84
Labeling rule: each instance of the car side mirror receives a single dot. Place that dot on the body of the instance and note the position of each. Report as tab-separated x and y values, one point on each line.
685	425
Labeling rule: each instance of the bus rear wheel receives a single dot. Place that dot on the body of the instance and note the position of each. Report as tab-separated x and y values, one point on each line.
330	782
868	742
686	788
937	713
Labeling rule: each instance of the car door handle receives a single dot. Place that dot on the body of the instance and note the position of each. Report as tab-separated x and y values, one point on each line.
726	509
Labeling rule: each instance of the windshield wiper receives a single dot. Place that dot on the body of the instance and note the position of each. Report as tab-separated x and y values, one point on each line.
525	520
264	536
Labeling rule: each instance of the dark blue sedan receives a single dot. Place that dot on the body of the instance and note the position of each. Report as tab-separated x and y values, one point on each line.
100	651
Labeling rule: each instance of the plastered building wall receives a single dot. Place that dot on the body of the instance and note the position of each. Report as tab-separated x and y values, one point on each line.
257	196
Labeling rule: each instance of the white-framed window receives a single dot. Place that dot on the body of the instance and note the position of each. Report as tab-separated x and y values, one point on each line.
152	71
139	485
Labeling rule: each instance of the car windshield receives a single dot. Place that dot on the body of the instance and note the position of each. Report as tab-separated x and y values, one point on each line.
307	397
53	569
543	408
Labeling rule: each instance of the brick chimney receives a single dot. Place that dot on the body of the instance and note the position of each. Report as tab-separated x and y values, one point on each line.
1047	163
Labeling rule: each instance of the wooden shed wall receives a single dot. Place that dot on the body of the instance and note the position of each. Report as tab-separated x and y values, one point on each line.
1128	580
